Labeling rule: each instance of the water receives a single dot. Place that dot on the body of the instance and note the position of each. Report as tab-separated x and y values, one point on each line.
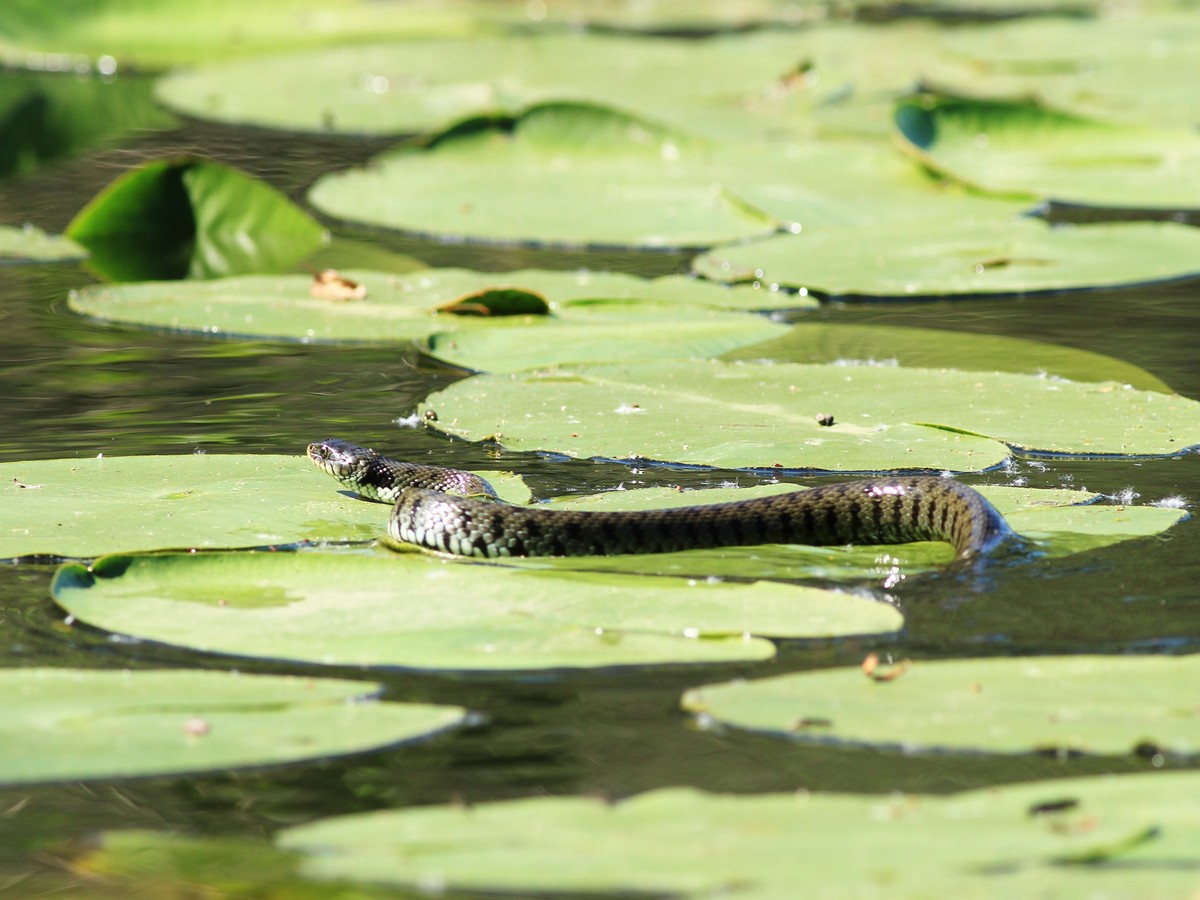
72	387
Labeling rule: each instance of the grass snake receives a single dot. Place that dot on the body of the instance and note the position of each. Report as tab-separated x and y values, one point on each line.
457	512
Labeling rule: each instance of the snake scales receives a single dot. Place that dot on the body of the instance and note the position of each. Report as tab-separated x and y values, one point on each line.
456	512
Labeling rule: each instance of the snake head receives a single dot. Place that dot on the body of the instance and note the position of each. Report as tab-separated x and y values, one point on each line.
341	459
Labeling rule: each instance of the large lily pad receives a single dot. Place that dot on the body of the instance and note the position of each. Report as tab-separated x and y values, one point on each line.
1016	256
1128	836
764	416
29	244
1021	147
72	724
563	174
421	87
166	33
1089	704
419	612
192	218
85	507
576	174
1109	67
411	306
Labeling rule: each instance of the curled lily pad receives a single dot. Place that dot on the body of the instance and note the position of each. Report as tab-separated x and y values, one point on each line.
419	612
1129	834
192	218
72	724
764	416
1021	147
1089	704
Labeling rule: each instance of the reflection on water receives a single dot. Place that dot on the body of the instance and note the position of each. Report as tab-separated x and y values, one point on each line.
72	387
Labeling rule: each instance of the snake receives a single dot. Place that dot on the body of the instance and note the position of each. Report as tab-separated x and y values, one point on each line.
456	512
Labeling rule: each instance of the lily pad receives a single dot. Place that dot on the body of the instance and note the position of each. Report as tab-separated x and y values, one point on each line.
1080	704
1108	67
673	316
563	174
420	612
1021	147
572	174
1130	835
764	416
159	34
192	218
30	244
937	259
85	507
73	724
414	88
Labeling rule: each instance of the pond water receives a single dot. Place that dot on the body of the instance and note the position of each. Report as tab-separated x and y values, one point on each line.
75	388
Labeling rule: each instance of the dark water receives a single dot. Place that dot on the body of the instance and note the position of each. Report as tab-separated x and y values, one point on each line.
71	387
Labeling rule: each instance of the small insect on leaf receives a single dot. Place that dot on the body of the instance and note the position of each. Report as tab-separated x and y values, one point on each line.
328	284
870	667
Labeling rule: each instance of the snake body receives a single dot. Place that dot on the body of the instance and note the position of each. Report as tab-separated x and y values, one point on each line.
456	512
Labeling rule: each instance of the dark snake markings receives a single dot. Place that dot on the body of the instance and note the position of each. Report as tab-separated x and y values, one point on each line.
472	521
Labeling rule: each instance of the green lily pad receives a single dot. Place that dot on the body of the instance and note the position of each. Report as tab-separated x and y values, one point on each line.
673	316
898	345
571	174
29	244
192	218
1107	67
764	416
421	612
1088	704
1020	147
413	88
565	174
158	34
938	259
73	724
1127	836
86	507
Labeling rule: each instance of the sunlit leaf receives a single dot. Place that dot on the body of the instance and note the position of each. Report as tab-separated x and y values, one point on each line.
1136	831
1021	147
420	612
72	724
1018	256
765	416
1087	704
